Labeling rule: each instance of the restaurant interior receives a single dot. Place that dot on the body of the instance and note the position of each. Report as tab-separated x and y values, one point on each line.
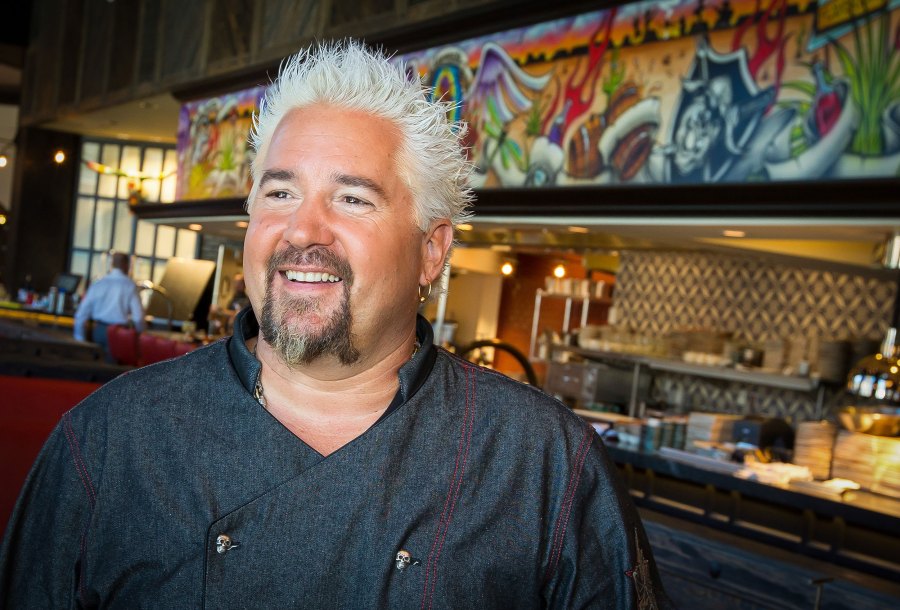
727	323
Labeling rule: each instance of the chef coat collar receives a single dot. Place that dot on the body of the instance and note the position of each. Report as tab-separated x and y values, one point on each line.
412	374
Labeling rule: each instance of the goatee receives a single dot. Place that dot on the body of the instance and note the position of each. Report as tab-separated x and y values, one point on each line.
294	343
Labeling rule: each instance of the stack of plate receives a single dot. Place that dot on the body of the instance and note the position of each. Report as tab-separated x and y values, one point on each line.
813	446
709	427
871	461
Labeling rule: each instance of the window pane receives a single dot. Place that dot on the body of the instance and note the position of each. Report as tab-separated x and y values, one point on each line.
140	270
143	243
107	185
99	261
153	164
167	195
124	228
90	151
187	244
158	270
79	265
131	163
103	221
165	242
87	178
84	219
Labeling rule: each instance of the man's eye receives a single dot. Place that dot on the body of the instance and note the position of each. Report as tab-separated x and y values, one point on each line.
278	195
355	200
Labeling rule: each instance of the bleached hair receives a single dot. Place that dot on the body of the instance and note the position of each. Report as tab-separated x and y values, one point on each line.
346	74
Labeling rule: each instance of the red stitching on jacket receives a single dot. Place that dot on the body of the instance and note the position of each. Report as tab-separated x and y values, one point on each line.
568	500
566	510
571	480
453	493
80	466
471	424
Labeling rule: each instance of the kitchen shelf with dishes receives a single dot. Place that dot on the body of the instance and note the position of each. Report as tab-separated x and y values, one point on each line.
587	295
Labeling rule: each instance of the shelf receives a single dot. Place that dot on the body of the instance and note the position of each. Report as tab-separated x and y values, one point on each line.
574	297
541	294
774	380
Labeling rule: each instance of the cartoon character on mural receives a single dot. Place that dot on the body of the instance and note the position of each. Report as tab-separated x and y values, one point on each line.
718	121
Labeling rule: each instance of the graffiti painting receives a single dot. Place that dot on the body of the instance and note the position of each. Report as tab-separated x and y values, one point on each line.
663	92
681	92
214	153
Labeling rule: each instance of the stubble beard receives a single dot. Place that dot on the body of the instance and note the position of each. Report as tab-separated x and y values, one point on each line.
296	342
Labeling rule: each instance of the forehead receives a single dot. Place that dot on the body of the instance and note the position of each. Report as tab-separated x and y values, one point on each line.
322	135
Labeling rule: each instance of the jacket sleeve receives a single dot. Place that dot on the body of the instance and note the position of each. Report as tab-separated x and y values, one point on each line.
599	555
40	553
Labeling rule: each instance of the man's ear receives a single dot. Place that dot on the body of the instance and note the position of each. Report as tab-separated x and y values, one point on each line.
435	245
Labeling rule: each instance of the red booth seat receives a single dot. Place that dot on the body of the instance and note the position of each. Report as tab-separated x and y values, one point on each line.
123	344
31	407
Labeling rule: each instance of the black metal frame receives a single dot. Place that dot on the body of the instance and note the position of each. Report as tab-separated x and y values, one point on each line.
836	199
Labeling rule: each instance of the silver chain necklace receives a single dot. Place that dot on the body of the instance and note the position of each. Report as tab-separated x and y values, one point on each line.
259	393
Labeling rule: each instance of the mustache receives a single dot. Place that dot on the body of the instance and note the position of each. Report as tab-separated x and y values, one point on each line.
317	256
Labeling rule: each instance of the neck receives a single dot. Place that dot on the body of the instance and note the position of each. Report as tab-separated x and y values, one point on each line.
327	404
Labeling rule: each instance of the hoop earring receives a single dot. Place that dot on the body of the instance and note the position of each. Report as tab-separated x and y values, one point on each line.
423	298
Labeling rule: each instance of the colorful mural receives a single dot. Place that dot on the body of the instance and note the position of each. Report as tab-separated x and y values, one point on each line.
213	149
681	91
663	92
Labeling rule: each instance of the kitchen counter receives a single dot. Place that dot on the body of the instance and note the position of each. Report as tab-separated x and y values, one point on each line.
860	530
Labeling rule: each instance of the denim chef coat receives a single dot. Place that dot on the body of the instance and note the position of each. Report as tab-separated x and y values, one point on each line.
171	487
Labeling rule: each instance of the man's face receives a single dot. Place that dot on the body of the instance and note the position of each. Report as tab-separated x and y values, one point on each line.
333	255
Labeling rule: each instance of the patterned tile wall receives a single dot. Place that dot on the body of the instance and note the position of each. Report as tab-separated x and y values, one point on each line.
661	292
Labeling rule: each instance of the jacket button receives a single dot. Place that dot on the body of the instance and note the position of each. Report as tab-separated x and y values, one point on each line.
223	544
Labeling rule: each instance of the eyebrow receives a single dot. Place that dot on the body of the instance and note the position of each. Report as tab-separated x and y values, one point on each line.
366	183
286	175
269	175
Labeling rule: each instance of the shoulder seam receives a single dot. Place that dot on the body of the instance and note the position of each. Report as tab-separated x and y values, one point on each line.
562	522
80	466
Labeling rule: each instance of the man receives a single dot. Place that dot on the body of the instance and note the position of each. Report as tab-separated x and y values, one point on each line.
330	456
113	299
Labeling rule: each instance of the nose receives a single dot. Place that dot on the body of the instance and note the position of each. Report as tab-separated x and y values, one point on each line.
310	224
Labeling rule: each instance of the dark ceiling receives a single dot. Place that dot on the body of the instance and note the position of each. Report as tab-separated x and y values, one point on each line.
14	33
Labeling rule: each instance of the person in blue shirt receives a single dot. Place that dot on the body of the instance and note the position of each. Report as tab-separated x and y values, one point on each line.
112	299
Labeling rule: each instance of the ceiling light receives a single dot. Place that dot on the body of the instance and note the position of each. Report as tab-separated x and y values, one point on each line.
3	161
242	224
59	157
506	268
2	219
559	271
730	233
195	227
464	227
579	230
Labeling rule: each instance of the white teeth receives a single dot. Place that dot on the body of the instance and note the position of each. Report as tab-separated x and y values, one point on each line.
300	276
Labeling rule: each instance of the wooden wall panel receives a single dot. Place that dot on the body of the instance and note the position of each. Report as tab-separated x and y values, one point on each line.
98	28
149	47
230	29
183	31
287	22
70	52
42	64
123	46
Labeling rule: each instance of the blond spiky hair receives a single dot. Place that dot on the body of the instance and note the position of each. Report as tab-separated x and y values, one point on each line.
346	74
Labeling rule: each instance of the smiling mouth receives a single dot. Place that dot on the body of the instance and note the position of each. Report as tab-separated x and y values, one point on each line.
311	277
